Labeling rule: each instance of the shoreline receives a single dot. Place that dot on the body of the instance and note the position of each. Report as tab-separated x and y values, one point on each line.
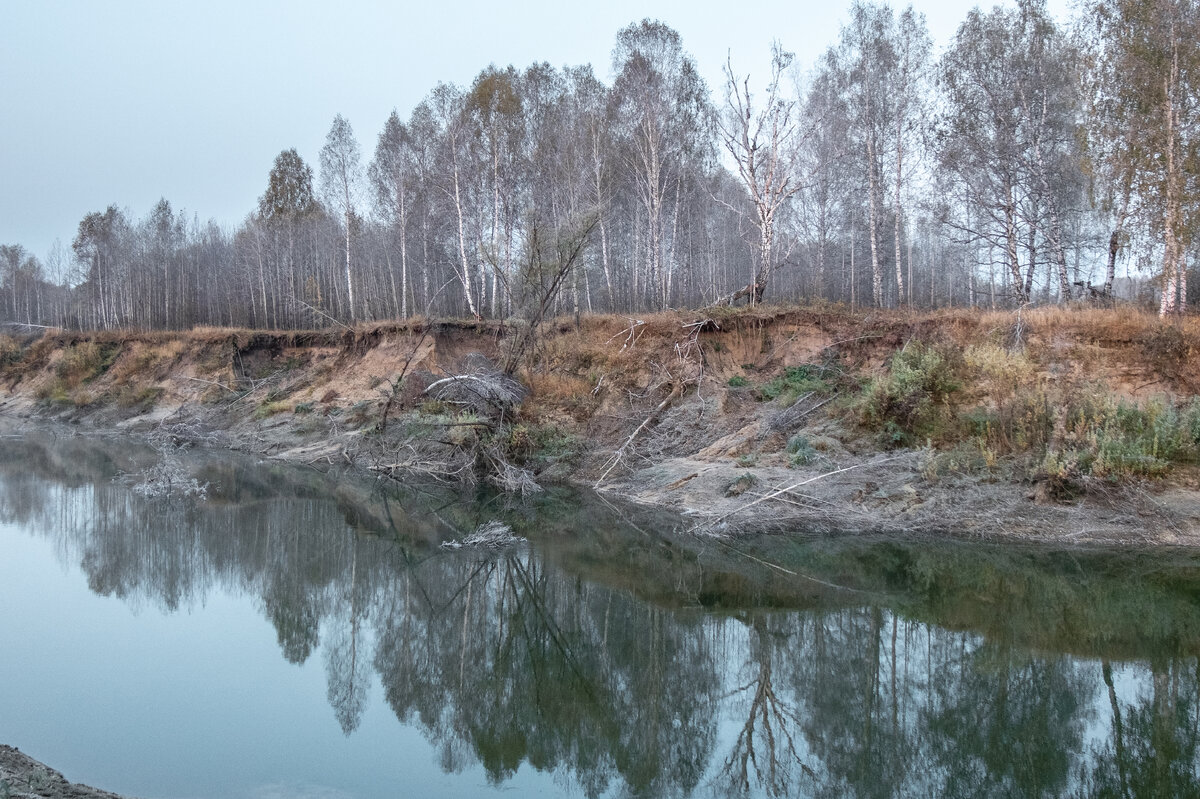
22	777
739	424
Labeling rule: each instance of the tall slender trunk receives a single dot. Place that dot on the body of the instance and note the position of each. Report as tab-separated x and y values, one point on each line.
1010	247
1056	235
872	223
349	278
598	186
465	275
612	302
495	223
897	207
404	270
1172	251
872	210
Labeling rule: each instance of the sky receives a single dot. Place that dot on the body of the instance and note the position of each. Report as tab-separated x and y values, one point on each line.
123	102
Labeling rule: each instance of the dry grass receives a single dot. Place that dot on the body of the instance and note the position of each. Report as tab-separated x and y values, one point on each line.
147	361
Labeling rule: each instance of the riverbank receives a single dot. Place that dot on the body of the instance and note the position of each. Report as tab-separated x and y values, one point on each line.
1058	426
22	777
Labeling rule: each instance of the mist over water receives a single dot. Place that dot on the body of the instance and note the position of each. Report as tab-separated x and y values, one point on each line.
304	634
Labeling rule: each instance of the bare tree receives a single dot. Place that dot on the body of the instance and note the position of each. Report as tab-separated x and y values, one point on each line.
341	175
762	144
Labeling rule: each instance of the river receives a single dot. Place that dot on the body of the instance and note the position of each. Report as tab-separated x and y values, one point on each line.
304	633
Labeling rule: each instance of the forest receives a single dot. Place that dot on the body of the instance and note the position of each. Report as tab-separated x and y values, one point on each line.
1025	164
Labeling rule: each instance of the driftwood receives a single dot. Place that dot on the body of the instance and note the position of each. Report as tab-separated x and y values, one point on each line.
480	392
781	491
691	362
754	291
492	535
619	453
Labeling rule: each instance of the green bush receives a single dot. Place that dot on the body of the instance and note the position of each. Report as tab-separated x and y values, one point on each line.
801	451
1115	439
86	361
737	381
795	381
1021	423
911	403
539	443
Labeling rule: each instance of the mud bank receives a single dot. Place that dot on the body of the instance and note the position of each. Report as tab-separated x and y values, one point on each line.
763	419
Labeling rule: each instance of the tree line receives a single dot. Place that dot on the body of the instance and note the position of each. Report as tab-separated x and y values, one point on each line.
1021	165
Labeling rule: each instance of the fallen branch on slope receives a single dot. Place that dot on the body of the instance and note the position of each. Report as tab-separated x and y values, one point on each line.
785	490
619	453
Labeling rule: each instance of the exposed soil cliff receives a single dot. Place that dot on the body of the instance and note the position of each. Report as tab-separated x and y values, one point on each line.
1072	426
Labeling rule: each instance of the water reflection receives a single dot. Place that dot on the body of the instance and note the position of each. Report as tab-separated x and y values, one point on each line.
630	661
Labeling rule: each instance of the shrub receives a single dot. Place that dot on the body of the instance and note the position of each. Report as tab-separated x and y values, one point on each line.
1166	351
911	402
269	409
1116	439
129	397
801	451
794	381
10	351
532	443
1000	369
86	361
737	381
1023	422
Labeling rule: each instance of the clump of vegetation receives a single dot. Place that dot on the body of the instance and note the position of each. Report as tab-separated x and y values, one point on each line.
1022	422
911	403
794	381
84	362
1166	351
268	409
129	397
737	381
1116	439
741	485
531	444
998	369
10	351
80	364
1085	434
801	451
359	413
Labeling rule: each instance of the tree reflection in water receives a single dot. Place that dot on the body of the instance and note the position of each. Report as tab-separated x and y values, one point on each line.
653	665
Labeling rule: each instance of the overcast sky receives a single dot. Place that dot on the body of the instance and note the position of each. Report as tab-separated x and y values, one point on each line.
120	102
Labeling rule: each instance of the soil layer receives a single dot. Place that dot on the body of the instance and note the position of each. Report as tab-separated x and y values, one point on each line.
739	421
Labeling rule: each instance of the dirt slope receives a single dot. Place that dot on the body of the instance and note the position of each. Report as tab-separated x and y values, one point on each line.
710	415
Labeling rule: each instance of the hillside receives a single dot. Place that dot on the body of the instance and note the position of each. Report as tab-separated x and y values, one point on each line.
1064	425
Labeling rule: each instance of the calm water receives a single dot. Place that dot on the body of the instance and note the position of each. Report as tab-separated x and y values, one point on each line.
296	634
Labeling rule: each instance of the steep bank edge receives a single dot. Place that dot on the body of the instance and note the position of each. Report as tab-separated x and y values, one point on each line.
317	397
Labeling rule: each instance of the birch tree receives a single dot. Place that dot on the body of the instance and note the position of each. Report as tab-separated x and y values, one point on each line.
341	176
391	179
662	109
494	110
446	104
1146	57
763	145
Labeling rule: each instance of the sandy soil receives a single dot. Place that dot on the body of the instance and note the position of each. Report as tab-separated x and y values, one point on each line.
890	494
714	454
